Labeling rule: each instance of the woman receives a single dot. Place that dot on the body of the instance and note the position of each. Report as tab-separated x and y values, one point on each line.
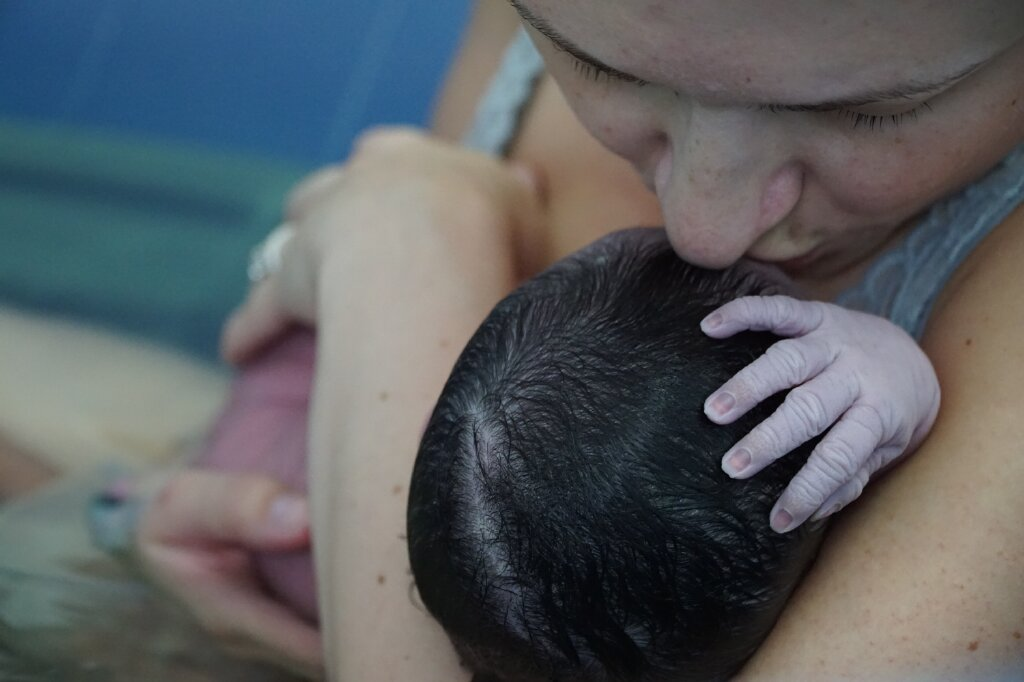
812	136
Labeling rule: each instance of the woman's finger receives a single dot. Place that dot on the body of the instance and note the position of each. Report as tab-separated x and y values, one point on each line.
207	507
806	412
260	319
782	315
784	365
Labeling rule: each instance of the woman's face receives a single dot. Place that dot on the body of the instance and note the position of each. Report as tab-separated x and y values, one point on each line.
803	132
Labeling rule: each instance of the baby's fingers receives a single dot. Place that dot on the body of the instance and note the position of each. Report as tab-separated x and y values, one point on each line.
836	472
852	489
783	315
807	411
785	364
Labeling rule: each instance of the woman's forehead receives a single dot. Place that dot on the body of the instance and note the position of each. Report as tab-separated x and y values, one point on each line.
796	50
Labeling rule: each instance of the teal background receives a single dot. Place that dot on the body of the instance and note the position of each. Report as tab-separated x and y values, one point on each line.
146	145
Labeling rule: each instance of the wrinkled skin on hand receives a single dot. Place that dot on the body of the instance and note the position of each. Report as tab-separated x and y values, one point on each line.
859	374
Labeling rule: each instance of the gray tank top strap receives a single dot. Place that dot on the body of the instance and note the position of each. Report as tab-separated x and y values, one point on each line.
500	112
904	283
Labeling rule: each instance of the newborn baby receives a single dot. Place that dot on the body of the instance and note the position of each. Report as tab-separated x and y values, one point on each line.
568	515
629	282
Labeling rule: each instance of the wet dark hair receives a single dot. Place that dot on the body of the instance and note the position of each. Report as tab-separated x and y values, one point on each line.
568	516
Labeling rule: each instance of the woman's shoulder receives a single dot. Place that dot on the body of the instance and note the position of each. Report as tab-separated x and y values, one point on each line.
985	295
921	576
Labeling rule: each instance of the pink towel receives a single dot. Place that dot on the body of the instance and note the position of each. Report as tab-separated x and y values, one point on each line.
263	430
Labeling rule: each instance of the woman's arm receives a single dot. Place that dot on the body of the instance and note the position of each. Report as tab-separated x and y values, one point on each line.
922	578
417	248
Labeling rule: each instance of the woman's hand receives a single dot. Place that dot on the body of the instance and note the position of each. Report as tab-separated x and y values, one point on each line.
396	176
196	537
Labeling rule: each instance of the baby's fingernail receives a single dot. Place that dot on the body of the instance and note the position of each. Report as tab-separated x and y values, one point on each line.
711	322
782	521
835	508
288	514
720	404
736	463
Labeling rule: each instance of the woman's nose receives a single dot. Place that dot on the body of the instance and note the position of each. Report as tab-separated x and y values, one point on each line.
728	176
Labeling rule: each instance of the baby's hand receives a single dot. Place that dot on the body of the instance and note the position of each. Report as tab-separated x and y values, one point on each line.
856	368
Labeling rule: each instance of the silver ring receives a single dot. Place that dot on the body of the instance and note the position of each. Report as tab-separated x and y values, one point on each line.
265	259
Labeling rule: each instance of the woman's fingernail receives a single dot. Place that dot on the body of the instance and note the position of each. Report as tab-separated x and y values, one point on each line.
737	462
288	513
722	403
711	322
782	521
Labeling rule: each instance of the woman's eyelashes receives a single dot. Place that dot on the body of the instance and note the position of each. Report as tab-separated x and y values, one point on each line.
858	119
593	72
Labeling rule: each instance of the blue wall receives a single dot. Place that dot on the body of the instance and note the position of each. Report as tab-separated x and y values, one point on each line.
291	79
118	118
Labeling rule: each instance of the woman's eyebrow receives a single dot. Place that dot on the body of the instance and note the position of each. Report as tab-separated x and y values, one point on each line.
896	93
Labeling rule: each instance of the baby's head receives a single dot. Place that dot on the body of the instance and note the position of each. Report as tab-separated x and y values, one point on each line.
568	517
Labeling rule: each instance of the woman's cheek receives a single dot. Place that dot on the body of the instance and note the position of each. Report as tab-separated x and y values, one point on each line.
887	179
616	114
